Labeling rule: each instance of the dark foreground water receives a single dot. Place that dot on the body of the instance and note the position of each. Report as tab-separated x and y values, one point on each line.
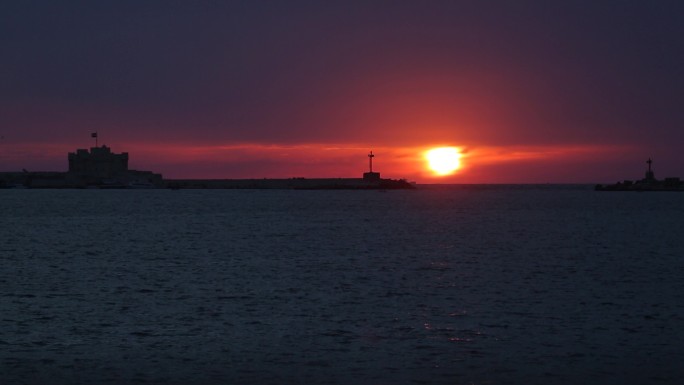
447	286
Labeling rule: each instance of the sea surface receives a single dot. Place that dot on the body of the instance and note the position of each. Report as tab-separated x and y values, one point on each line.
441	285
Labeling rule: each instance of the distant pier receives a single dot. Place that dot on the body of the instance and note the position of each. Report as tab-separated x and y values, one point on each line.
100	168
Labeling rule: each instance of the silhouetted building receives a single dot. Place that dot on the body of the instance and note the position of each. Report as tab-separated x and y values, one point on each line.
371	176
101	167
100	162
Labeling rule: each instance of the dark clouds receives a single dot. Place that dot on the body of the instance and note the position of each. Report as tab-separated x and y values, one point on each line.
483	72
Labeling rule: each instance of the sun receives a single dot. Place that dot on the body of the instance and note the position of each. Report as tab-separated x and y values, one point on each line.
443	160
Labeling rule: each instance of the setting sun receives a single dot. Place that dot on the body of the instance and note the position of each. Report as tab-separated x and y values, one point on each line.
443	160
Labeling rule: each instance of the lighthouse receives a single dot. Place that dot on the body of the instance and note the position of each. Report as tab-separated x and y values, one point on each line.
370	175
650	175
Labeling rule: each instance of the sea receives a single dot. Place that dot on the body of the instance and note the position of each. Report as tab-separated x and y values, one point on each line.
498	284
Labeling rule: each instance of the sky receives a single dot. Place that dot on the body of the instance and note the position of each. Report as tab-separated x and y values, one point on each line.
527	91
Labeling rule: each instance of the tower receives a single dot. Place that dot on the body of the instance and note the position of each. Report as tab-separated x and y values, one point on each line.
371	176
650	175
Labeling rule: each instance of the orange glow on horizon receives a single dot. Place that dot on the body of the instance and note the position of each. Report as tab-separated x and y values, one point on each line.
476	163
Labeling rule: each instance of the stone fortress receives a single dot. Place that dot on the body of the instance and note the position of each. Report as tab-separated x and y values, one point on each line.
98	167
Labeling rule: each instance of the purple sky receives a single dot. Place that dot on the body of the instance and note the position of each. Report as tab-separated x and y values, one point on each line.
530	91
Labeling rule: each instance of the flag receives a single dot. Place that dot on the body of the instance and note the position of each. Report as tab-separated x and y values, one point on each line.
93	135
